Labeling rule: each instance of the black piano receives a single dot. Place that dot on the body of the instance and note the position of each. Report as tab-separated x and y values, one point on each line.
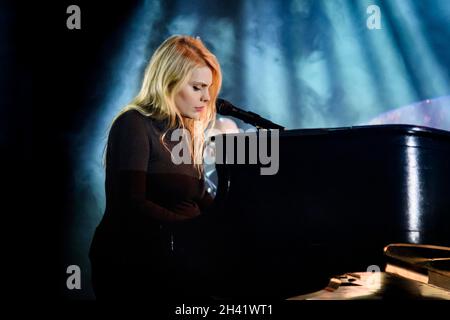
339	197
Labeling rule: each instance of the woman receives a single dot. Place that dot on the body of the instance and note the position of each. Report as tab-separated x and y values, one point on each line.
151	241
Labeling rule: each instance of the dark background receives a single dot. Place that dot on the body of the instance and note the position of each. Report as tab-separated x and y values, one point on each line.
66	92
54	82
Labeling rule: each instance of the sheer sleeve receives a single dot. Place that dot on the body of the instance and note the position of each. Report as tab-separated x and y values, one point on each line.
129	143
133	185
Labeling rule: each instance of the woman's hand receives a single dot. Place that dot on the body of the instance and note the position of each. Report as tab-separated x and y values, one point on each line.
188	209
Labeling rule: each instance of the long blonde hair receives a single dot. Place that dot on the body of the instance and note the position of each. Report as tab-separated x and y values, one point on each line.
168	71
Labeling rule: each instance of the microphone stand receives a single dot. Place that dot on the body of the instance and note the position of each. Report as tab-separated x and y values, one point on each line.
262	123
249	117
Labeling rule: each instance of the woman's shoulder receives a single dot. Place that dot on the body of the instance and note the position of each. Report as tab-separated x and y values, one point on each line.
131	115
134	120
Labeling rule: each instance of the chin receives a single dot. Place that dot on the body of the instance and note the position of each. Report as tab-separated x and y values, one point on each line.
194	116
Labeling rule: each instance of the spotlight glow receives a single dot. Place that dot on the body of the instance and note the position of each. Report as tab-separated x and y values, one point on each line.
414	191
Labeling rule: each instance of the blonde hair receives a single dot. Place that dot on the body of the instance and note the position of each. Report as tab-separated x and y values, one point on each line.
169	69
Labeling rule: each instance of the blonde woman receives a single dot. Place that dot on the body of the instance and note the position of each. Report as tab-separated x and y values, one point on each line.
146	244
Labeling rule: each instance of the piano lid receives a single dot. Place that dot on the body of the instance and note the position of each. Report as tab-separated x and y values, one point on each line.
339	197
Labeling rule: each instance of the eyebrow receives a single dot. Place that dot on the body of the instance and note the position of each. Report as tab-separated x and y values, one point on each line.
201	83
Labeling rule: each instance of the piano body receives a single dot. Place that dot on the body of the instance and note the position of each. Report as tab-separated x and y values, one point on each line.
339	197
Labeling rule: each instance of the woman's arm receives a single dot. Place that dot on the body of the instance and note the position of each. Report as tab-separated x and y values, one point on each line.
128	155
133	199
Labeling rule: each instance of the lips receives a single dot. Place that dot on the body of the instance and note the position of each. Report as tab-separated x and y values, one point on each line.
199	109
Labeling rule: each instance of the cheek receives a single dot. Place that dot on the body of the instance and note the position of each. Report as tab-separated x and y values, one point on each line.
187	98
181	98
187	94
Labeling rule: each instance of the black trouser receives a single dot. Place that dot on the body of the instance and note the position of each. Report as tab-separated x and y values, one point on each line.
177	267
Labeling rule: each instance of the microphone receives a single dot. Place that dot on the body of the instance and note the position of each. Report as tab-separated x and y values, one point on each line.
226	108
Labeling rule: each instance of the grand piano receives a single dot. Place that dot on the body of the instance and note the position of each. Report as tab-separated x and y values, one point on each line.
339	197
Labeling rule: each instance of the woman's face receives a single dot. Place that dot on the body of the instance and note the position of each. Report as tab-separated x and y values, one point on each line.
193	98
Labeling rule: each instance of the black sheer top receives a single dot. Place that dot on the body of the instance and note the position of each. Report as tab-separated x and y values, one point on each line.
145	189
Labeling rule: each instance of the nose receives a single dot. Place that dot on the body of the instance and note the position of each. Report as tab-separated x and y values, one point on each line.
205	95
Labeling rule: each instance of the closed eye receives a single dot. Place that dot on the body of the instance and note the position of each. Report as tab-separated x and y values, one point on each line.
198	85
